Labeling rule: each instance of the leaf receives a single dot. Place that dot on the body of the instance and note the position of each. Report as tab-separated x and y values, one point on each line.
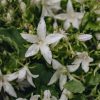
13	36
75	86
93	79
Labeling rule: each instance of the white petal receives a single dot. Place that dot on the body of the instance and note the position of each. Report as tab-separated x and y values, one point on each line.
22	74
61	16
34	97
62	81
75	23
29	37
53	98
11	77
66	24
45	51
32	50
41	29
70	7
85	66
54	78
56	65
52	1
52	38
30	74
84	37
21	99
29	79
77	61
9	89
98	36
63	97
73	68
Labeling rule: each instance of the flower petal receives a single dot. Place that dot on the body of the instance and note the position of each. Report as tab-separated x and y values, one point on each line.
56	65
53	98
85	65
34	97
29	37
9	89
75	23
29	79
45	51
32	50
29	73
66	24
62	81
11	77
52	1
21	99
54	78
52	38
69	7
62	16
73	68
98	36
84	37
22	74
41	29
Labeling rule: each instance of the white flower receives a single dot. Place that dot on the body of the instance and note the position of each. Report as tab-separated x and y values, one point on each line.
65	94
25	73
84	37
59	74
48	6
41	41
34	97
98	36
83	59
21	99
71	17
5	83
47	95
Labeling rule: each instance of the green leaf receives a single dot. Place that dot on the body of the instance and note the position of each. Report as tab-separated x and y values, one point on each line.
75	86
93	79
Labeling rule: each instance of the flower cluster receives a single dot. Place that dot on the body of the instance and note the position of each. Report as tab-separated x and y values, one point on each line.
58	36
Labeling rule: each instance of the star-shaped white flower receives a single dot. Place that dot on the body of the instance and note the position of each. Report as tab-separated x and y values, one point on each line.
25	73
70	17
83	59
59	74
48	96
5	83
41	41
